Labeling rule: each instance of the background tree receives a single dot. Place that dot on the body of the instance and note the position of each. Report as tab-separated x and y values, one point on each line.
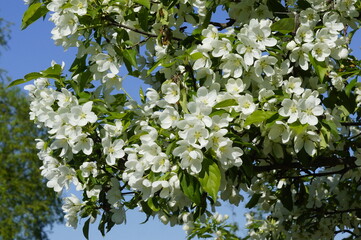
27	206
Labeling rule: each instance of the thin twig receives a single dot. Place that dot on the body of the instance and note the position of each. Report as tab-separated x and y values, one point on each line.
222	26
112	22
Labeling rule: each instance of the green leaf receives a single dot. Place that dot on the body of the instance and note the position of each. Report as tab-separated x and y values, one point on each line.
210	177
349	87
84	79
286	198
33	13
226	103
52	72
153	205
129	57
303	4
155	66
254	200
141	95
320	67
207	19
145	3
218	112
170	148
190	187
86	229
196	55
276	7
136	137
143	17
33	75
285	25
17	82
331	126
258	116
100	109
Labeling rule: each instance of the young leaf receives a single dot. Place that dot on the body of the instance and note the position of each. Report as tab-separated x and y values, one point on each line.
52	72
210	177
320	67
285	25
33	13
258	116
349	87
226	103
145	3
129	57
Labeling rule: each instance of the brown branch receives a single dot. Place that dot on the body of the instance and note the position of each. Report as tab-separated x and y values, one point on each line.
316	163
112	22
222	26
342	171
346	231
343	211
351	124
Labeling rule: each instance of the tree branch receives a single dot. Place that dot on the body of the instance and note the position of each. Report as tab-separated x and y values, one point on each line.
351	123
222	26
342	171
112	22
316	163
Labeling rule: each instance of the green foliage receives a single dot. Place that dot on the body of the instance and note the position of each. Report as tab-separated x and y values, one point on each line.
27	206
214	226
285	25
33	13
210	178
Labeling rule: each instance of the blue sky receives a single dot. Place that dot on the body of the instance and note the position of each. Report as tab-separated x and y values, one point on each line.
33	50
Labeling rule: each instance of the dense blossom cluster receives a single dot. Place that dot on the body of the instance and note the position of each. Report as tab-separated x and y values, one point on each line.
265	103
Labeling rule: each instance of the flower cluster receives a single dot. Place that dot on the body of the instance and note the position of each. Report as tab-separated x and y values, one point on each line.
264	103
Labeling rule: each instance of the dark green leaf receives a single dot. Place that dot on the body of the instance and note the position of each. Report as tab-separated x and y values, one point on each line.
276	7
190	187
254	200
210	177
33	13
143	17
303	4
86	229
84	79
286	197
349	87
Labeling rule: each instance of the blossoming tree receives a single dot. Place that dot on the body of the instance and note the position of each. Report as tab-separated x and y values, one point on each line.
265	103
